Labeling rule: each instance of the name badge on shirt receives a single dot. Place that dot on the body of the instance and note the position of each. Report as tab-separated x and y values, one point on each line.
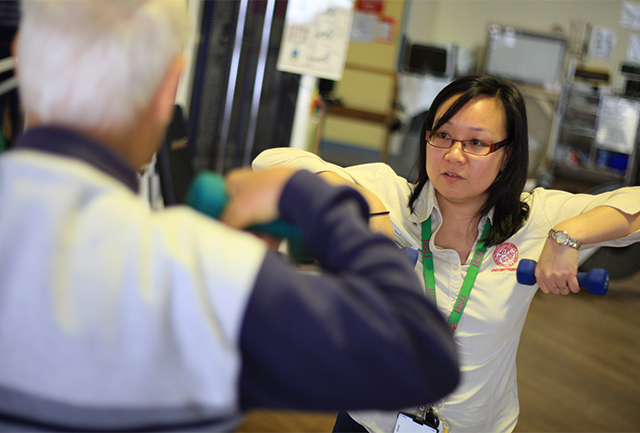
407	423
427	421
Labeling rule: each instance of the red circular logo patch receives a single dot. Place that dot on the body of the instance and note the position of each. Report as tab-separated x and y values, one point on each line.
506	255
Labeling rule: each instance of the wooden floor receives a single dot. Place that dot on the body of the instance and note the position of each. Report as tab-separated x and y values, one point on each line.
578	368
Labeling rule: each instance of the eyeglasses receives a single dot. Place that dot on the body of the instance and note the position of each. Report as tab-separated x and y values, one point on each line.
442	140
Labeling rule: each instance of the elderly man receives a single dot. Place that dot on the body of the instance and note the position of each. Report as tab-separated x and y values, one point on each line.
114	316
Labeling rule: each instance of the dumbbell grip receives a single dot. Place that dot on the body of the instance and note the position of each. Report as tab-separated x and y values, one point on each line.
596	281
208	195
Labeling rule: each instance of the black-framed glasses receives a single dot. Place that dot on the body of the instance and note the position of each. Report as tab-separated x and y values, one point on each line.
442	140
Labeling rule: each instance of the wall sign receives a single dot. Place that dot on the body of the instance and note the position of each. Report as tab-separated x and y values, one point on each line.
316	37
370	6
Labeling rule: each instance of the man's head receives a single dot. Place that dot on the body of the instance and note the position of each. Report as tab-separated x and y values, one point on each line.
97	65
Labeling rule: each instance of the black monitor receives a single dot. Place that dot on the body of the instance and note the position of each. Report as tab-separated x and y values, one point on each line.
432	59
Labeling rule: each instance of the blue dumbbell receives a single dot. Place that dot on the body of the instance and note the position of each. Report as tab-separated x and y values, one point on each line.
208	194
596	281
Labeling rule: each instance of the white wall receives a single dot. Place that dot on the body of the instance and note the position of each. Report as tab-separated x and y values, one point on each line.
465	22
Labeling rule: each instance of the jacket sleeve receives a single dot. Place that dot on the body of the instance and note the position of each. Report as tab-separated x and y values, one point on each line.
358	333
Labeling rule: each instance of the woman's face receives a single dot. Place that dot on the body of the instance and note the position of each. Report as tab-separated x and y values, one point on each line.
459	177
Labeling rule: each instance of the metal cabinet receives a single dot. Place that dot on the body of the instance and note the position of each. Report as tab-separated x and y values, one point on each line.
594	137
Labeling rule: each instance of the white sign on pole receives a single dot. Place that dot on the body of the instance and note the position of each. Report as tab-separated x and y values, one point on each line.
316	37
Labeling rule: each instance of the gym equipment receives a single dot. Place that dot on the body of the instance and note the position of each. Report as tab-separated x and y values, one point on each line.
596	281
208	195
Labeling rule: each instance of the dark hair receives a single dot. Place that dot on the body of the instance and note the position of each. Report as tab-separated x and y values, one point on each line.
510	212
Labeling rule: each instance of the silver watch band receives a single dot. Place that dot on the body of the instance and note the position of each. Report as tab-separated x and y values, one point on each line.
563	238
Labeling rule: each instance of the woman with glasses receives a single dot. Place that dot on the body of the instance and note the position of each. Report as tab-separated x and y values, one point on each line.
472	223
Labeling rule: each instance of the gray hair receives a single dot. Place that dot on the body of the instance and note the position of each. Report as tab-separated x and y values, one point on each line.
96	63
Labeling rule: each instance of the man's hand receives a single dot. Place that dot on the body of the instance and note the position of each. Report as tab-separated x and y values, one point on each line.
254	196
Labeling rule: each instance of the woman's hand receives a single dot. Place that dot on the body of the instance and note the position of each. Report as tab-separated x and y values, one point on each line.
558	264
557	269
380	223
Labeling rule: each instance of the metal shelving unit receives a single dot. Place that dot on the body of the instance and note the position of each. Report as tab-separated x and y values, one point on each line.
594	137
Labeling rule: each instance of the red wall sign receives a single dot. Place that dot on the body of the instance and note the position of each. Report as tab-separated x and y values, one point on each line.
370	6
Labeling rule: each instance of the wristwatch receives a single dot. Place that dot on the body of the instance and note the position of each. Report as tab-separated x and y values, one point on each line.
563	238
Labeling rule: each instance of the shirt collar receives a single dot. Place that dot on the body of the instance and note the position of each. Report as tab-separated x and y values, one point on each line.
426	205
67	143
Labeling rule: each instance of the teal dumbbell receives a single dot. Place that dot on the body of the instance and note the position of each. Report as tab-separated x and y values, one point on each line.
208	194
596	281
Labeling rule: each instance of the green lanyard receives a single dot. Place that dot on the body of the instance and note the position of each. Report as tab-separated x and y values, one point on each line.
469	279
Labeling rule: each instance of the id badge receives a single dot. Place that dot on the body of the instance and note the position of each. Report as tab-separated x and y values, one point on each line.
407	424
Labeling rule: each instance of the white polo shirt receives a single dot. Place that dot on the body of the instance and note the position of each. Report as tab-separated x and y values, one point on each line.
489	330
